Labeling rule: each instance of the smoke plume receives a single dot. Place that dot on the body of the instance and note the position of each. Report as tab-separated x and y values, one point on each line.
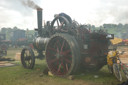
30	4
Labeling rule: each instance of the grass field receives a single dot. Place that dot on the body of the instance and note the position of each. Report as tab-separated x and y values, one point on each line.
17	75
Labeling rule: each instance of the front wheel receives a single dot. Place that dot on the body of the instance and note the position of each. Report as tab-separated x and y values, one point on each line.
27	58
125	69
110	68
117	72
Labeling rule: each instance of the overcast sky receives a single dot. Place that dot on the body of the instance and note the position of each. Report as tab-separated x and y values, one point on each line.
96	12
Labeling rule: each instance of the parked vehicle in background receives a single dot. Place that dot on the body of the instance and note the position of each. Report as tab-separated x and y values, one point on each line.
3	45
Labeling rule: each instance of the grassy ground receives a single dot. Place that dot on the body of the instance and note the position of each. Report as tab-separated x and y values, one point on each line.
17	75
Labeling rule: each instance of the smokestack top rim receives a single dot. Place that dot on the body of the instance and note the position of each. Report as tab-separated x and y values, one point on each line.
39	9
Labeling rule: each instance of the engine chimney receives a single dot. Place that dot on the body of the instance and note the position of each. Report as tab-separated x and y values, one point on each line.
39	21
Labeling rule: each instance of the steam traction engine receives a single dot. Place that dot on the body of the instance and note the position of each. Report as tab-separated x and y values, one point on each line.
68	46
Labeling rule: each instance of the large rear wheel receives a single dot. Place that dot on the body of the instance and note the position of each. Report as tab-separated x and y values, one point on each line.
62	55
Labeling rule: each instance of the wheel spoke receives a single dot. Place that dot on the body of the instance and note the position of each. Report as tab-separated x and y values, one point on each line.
58	43
67	61
66	66
29	54
68	55
50	53
58	50
59	68
57	46
25	58
62	23
29	62
64	69
52	49
58	23
65	52
54	60
62	46
26	54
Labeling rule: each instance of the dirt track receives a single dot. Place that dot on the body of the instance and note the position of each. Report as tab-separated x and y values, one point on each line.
5	63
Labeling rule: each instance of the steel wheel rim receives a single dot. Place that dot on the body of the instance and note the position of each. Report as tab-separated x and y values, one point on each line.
117	72
59	56
27	58
125	69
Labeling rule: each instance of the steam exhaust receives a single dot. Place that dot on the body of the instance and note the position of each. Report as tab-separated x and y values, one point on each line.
33	5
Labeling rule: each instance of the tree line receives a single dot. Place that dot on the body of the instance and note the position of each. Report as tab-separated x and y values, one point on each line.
119	30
